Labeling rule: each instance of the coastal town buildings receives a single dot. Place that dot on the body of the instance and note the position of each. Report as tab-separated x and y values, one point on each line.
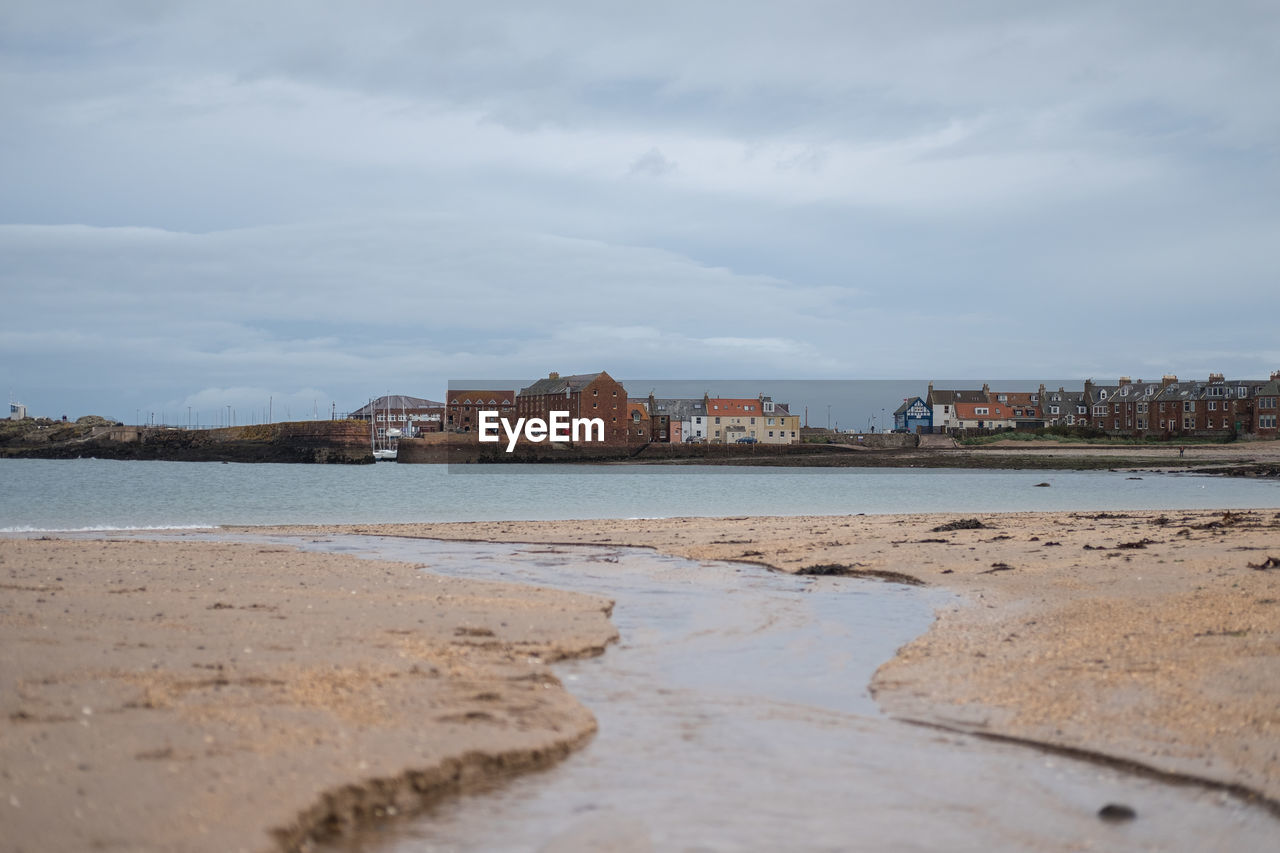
750	419
686	418
463	407
1172	408
943	403
398	412
584	395
914	415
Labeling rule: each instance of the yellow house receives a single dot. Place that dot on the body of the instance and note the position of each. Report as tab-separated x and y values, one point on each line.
759	419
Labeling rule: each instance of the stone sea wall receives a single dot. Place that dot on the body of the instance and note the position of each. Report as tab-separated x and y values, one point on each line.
325	442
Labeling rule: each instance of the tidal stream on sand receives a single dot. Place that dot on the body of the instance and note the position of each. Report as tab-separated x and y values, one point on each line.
734	715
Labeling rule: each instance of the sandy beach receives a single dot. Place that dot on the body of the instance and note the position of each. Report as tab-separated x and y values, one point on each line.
1148	637
189	696
197	696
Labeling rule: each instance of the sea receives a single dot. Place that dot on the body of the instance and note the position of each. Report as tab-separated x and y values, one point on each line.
94	494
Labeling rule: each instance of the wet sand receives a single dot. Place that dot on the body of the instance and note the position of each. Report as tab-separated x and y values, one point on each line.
226	697
1141	636
220	697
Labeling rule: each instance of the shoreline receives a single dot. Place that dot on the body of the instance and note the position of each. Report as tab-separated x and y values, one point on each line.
1060	641
1186	689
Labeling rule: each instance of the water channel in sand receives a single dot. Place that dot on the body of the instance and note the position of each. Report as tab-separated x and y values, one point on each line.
734	715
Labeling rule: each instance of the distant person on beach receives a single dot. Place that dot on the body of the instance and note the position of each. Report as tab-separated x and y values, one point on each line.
1181	452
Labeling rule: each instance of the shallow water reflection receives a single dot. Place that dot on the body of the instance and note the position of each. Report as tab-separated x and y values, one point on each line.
734	715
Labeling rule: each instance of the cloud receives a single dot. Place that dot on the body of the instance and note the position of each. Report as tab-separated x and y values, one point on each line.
652	163
328	200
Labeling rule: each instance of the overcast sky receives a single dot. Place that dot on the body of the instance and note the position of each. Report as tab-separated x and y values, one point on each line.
209	204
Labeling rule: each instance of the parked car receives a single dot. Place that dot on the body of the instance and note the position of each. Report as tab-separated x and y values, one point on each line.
746	439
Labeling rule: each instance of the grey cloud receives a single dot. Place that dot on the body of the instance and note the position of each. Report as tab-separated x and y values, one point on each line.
229	196
653	164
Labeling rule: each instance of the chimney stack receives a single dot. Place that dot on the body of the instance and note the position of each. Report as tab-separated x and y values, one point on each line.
1124	380
1216	377
1167	380
553	375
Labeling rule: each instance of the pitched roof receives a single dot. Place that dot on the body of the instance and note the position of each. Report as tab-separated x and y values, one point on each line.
734	407
679	408
481	397
559	384
939	397
395	403
907	403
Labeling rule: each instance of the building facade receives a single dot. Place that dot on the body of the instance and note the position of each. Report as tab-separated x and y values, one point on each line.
584	395
397	414
463	407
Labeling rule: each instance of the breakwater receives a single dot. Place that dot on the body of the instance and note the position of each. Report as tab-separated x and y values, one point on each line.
325	442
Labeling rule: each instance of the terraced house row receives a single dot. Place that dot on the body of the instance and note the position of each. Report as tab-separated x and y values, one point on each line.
1171	408
644	420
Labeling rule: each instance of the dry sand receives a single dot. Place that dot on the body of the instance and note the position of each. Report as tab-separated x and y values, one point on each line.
224	697
186	696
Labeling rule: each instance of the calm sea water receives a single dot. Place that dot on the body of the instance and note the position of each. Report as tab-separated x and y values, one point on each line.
37	494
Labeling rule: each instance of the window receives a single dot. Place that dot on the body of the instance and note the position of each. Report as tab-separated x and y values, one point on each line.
1071	420
1188	423
1267	422
1116	426
1213	405
981	410
1053	410
770	433
1142	408
1188	406
717	420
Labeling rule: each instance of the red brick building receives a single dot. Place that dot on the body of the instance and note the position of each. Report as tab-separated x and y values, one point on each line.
462	408
584	395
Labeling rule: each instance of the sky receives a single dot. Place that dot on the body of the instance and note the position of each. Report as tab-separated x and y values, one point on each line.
299	206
